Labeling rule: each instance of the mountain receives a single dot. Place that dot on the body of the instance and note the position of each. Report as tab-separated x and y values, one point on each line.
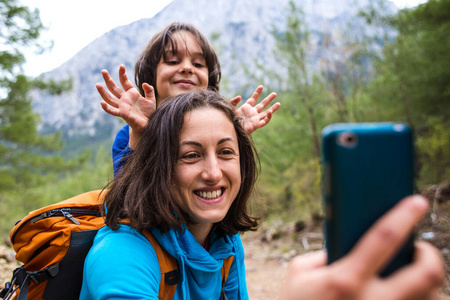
243	28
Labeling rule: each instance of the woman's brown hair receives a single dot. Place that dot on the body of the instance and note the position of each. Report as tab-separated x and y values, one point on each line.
147	62
143	190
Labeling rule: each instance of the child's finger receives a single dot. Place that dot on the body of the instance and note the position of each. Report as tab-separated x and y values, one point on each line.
266	101
265	119
255	96
109	109
274	107
126	84
110	84
106	96
235	101
149	91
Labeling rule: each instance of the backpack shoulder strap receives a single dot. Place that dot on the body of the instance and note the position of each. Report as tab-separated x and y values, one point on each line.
169	269
225	272
226	268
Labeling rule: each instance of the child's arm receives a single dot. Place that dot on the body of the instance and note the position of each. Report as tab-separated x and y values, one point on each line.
128	103
253	116
120	149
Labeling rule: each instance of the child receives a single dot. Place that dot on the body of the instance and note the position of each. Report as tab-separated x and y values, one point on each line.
177	59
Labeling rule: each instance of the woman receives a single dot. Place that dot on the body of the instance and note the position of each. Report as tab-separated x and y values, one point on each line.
188	182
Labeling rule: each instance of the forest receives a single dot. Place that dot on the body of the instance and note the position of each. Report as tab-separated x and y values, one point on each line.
406	80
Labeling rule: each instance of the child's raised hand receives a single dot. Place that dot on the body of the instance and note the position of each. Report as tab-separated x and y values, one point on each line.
127	103
253	116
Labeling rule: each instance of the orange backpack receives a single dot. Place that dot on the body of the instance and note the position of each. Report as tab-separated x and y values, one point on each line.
53	242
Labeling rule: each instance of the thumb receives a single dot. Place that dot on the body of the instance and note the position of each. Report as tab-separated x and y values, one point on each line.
235	101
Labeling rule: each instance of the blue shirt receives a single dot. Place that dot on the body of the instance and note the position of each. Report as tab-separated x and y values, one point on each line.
120	148
122	264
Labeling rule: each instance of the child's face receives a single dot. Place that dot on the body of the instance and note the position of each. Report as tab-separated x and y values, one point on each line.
182	71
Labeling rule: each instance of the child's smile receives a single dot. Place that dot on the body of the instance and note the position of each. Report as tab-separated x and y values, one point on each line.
183	70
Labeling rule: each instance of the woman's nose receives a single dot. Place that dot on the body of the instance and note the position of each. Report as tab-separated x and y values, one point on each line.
212	171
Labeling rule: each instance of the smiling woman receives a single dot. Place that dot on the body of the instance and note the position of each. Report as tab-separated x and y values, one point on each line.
207	173
188	183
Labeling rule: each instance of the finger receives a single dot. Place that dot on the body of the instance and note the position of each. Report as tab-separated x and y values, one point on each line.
126	84
304	275
265	119
149	91
106	96
267	115
309	261
422	278
266	101
434	295
110	84
274	107
109	109
235	101
254	98
384	239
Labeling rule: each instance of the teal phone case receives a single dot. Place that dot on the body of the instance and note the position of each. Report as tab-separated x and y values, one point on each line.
367	168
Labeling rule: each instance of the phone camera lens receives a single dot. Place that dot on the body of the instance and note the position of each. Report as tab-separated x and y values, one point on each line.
347	139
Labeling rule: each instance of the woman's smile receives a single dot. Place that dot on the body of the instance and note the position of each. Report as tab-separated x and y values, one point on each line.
209	195
208	172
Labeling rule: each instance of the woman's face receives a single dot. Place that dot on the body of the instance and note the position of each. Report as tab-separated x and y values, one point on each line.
208	176
182	71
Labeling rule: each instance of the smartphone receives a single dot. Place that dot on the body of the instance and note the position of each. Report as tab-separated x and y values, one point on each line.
366	169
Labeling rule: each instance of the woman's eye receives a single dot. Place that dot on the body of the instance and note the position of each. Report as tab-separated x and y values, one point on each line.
190	156
227	153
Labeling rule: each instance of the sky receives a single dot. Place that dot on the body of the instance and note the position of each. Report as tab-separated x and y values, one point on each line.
72	25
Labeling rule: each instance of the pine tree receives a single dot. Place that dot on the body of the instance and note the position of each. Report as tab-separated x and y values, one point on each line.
25	154
413	82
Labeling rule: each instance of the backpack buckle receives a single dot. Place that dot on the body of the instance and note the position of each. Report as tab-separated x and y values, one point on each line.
171	277
45	274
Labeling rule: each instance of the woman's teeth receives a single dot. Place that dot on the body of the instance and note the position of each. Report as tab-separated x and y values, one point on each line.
209	195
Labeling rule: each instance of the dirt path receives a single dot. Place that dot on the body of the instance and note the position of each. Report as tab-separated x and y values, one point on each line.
265	278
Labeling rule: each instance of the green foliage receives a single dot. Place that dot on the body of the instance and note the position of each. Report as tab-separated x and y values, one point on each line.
412	83
20	28
16	203
433	147
290	145
52	86
408	81
293	48
26	156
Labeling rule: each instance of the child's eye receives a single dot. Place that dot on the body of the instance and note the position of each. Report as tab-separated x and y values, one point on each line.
172	62
198	65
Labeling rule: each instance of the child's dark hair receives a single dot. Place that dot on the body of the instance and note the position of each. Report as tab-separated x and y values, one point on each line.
143	191
147	62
